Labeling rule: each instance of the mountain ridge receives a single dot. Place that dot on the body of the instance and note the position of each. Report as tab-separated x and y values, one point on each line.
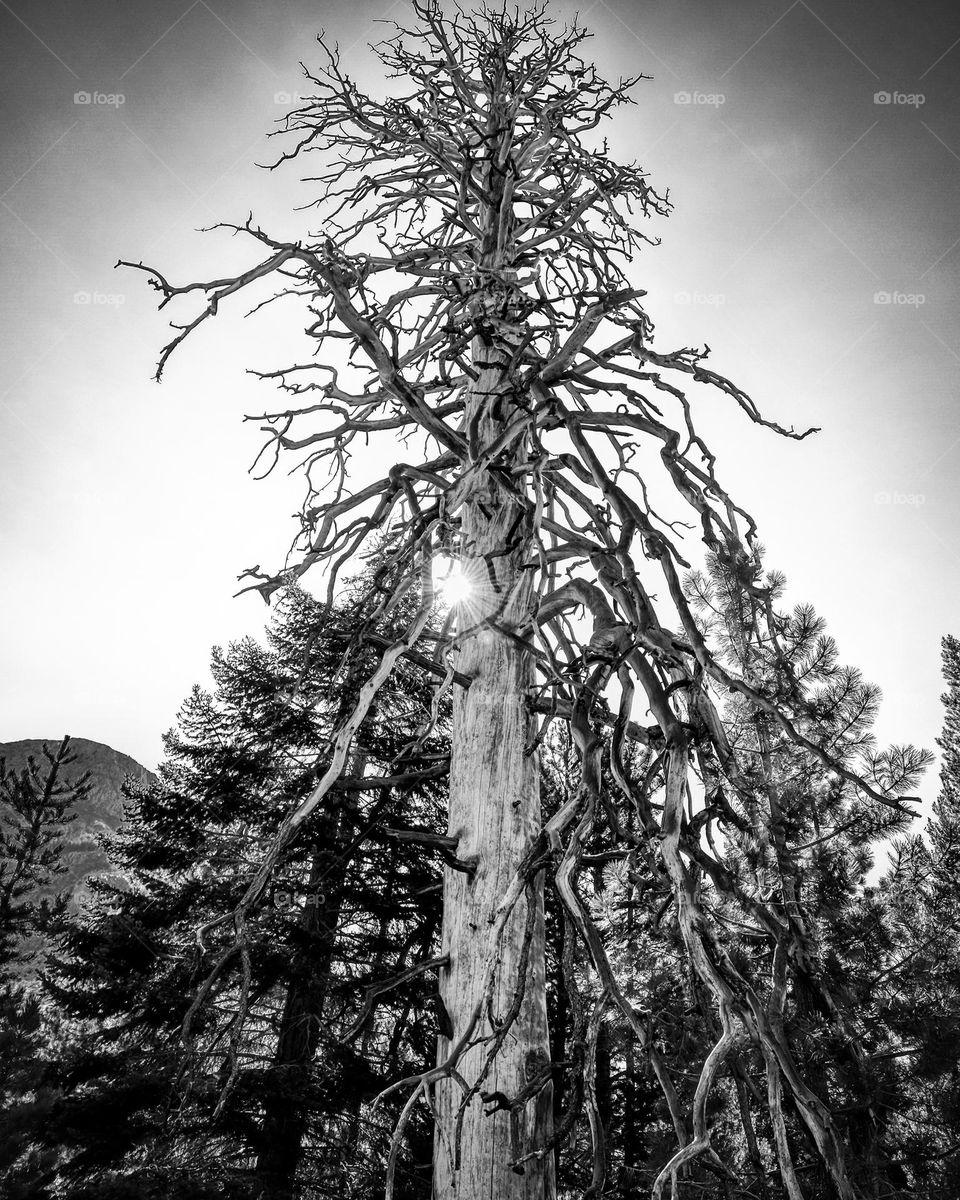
98	813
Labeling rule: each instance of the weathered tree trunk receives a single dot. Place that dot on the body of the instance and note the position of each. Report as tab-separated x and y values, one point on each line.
494	779
495	815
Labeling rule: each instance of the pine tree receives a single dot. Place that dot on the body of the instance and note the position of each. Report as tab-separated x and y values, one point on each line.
944	830
330	1002
916	984
36	805
35	808
801	852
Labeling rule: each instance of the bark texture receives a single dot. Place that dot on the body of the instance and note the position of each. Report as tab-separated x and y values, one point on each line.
495	815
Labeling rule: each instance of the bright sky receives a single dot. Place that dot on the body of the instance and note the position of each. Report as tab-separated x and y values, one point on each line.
800	200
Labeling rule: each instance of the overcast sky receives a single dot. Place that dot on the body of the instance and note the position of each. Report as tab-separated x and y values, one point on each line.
802	201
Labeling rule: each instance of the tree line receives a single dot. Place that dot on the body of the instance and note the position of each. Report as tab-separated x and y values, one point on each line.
123	1079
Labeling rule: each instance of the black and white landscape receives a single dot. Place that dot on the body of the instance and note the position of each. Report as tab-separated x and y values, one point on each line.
580	815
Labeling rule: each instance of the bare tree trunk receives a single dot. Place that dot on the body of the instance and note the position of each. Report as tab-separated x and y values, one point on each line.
494	811
495	815
494	780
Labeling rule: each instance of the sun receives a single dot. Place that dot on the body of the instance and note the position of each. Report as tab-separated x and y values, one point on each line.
452	583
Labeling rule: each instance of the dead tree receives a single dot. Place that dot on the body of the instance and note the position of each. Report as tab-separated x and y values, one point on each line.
473	265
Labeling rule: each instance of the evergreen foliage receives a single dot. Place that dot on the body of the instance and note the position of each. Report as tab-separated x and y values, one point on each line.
268	1087
36	803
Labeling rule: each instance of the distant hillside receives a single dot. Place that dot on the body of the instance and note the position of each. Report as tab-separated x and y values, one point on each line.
102	810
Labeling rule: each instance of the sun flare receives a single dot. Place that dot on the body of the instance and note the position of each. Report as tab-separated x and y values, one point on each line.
452	584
